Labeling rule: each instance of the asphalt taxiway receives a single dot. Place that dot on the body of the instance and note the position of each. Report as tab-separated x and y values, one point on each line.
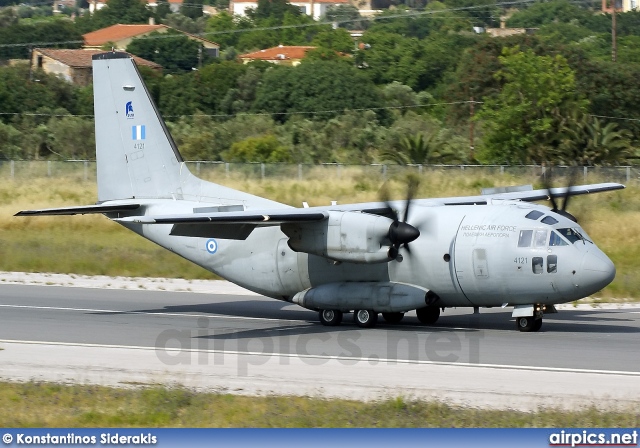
254	345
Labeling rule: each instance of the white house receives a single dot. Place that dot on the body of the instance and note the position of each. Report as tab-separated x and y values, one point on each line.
313	8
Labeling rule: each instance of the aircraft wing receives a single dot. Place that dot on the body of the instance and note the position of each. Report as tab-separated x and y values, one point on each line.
81	210
533	195
257	218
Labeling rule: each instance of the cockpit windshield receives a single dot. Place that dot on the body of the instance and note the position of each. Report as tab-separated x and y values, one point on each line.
571	234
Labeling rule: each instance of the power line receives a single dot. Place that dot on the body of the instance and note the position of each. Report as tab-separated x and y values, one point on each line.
407	15
413	106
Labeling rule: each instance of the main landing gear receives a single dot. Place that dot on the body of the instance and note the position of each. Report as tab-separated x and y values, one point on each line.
529	323
369	318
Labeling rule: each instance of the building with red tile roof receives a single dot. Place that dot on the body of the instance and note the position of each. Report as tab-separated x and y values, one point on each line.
282	55
74	65
121	35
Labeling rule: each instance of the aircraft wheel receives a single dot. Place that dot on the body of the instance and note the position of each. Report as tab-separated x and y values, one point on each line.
365	318
537	325
528	324
392	318
330	318
428	315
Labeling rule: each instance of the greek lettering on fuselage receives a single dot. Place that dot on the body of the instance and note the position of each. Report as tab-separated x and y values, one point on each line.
487	230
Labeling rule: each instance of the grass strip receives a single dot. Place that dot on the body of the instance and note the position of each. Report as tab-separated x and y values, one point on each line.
54	405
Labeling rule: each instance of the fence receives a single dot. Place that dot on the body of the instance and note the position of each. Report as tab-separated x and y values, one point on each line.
218	171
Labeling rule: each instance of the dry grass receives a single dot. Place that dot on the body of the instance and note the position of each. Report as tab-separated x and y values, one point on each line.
93	245
53	405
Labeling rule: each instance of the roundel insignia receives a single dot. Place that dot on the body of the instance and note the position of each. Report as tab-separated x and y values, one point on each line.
212	246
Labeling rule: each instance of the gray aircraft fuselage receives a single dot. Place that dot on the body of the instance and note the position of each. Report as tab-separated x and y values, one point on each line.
469	255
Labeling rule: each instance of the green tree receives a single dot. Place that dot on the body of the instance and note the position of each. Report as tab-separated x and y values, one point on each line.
118	11
60	30
266	149
20	95
162	10
10	139
346	16
555	11
273	9
320	88
192	9
523	123
337	40
186	24
174	51
586	140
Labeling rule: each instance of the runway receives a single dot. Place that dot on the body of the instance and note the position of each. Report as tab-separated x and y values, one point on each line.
255	345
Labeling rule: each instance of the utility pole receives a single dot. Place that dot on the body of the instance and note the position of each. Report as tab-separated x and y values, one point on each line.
614	47
471	126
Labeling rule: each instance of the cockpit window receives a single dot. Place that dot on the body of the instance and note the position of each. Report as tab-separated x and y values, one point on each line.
570	234
555	240
524	240
540	238
549	220
534	214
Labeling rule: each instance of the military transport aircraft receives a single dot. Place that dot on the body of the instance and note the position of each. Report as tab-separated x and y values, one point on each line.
389	257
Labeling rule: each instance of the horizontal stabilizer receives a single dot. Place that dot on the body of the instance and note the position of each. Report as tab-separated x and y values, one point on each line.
82	210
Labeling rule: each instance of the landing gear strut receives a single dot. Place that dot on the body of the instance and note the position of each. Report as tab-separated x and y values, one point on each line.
529	323
330	318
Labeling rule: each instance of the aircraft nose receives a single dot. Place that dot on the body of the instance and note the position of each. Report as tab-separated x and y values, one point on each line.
597	270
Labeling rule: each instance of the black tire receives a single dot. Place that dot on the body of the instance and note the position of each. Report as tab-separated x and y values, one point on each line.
330	318
392	318
537	325
428	315
528	324
365	318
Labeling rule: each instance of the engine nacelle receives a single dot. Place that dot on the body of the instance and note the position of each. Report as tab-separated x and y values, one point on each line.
381	297
345	236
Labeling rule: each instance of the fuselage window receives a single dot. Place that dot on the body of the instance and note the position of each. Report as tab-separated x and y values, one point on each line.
524	240
556	240
534	214
537	264
540	238
552	264
570	234
549	220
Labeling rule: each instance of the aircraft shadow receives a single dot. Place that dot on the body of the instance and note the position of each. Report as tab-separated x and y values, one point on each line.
567	321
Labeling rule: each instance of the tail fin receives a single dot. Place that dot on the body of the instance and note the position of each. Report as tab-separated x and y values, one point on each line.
136	156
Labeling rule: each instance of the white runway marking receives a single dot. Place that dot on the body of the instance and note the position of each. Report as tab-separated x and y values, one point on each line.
147	313
492	386
340	358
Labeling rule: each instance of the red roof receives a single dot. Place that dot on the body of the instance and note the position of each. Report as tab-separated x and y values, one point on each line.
281	52
82	58
118	32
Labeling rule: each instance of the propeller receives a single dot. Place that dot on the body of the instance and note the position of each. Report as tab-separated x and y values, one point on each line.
561	208
401	233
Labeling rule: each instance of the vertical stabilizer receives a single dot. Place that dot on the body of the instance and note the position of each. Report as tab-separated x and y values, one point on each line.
136	156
